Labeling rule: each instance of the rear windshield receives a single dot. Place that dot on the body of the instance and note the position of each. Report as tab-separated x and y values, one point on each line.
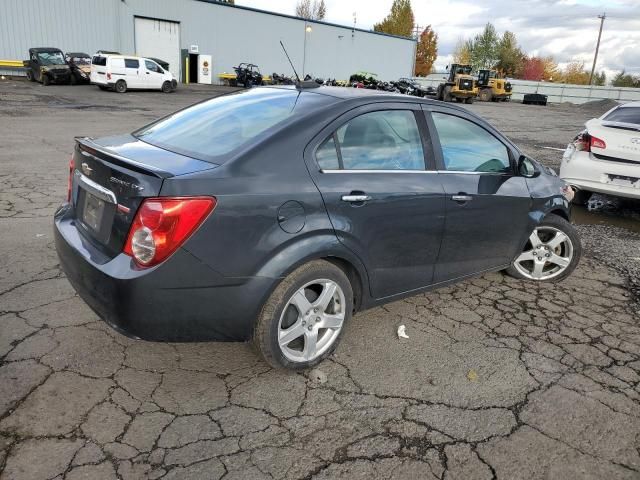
221	125
98	60
624	115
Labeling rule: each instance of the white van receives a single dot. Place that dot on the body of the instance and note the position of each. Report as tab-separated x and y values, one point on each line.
123	72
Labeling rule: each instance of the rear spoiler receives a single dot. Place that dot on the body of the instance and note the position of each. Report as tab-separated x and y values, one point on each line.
86	144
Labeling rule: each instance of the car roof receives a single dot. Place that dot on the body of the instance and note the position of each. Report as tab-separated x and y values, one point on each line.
45	49
350	93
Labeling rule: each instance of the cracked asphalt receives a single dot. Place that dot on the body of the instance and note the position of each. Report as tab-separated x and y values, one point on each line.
499	378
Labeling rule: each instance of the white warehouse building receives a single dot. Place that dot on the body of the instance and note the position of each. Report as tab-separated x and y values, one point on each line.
177	30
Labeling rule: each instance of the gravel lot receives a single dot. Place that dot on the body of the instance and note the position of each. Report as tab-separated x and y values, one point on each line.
499	378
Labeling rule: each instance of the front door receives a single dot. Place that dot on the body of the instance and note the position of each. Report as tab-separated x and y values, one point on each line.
384	204
154	75
487	203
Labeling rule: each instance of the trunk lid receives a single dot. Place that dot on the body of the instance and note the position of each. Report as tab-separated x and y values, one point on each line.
111	178
622	139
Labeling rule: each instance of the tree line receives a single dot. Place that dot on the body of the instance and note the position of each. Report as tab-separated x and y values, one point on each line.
487	50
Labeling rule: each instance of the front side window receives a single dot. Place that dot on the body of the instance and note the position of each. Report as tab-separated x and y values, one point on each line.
467	147
382	140
152	66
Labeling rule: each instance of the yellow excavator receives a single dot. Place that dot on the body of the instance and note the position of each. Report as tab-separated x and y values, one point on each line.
460	85
493	87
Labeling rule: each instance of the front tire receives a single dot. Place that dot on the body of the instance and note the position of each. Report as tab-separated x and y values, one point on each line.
303	320
121	86
551	253
46	80
30	76
166	87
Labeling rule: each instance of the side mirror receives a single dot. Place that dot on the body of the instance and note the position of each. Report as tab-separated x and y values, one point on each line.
527	168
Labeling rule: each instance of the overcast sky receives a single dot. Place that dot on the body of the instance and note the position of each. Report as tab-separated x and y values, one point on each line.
566	29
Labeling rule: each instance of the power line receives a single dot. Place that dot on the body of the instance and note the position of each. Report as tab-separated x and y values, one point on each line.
595	57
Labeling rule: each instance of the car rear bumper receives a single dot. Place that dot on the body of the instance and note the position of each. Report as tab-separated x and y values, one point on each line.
180	300
586	172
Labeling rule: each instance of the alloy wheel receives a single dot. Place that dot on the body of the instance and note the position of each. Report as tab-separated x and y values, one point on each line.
311	320
546	255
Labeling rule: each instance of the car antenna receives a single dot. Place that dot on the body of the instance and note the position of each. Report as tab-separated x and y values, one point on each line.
299	83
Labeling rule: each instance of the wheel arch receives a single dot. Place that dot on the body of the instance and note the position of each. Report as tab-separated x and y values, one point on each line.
321	247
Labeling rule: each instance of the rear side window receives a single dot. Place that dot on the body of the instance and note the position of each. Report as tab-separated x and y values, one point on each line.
131	63
467	147
220	125
100	61
382	140
624	115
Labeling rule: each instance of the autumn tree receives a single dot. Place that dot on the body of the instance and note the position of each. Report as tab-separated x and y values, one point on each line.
533	69
551	71
311	9
462	51
575	73
426	52
510	56
399	21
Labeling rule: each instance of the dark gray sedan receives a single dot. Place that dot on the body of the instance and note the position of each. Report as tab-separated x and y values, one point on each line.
273	214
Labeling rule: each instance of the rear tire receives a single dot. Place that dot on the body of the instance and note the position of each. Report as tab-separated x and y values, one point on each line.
470	100
557	249
121	86
289	332
485	95
581	197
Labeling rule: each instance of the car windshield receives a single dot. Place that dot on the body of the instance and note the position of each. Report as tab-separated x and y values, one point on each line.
624	115
51	58
218	126
81	60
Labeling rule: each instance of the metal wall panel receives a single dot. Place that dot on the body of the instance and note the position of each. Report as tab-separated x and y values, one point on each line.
71	25
230	35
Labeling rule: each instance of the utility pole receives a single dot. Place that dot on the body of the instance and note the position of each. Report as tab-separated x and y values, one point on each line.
595	57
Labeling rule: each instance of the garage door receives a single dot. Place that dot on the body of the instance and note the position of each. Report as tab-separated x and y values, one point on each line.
159	39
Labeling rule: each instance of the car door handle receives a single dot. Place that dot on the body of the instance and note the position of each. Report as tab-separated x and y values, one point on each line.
461	198
355	198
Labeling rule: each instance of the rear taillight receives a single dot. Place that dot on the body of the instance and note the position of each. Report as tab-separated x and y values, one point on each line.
108	76
597	143
70	180
581	142
163	224
585	142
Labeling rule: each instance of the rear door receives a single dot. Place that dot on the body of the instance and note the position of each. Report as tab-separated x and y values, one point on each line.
384	204
99	69
487	204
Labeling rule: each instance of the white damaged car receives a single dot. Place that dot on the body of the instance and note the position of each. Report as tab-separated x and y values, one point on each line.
605	158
